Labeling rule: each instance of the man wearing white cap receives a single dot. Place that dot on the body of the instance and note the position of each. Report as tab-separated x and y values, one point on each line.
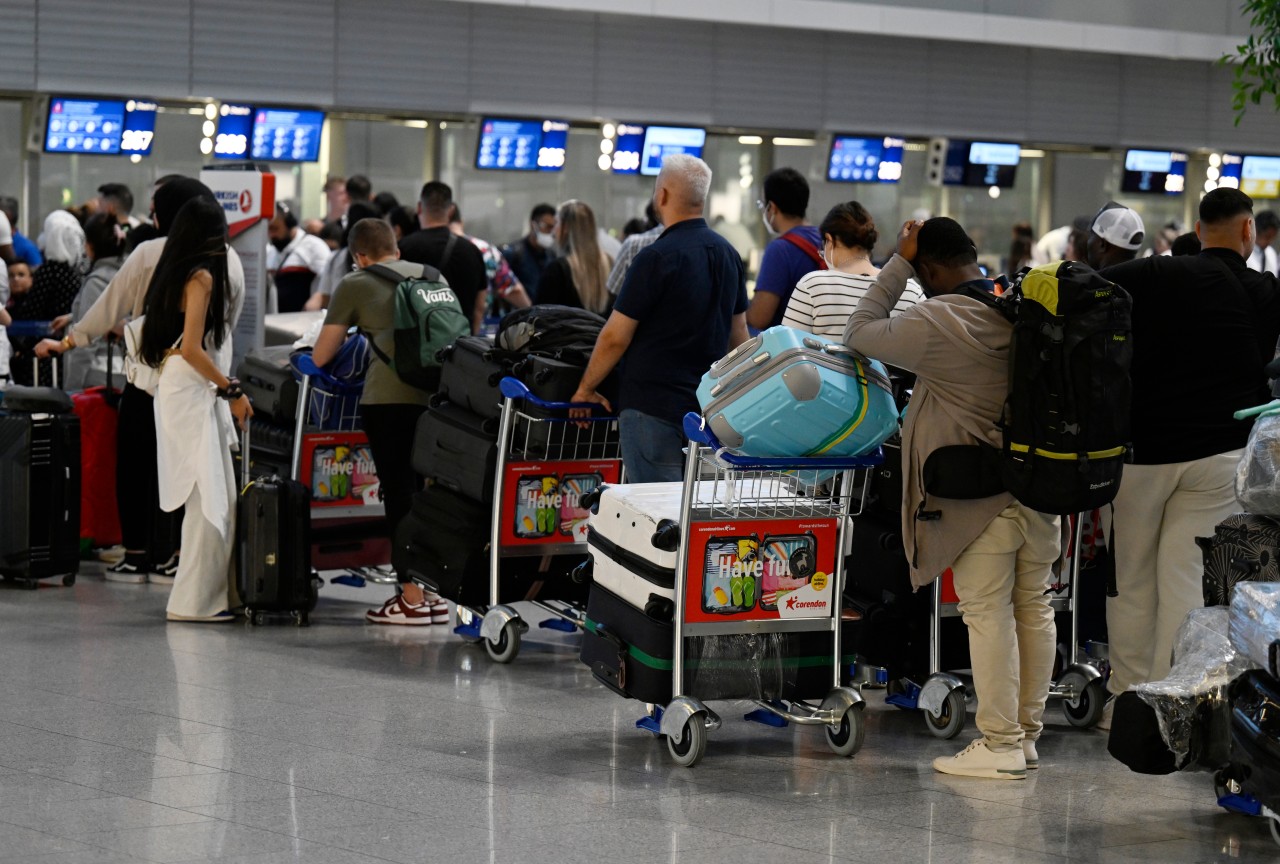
1114	236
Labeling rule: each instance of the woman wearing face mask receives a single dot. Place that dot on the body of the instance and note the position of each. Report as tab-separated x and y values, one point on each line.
824	299
53	289
577	279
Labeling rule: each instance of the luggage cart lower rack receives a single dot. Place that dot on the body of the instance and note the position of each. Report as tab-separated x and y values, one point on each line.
548	460
788	520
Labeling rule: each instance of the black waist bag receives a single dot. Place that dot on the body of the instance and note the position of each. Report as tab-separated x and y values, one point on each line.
964	472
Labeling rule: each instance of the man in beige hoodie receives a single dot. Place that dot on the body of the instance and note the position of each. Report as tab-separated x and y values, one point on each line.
1000	552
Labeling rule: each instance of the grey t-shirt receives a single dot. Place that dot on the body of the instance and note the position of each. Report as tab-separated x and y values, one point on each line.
368	302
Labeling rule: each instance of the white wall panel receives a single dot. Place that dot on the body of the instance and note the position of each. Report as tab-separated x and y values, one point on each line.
1156	110
877	85
975	93
280	51
18	44
1073	98
131	47
539	61
417	60
769	77
642	63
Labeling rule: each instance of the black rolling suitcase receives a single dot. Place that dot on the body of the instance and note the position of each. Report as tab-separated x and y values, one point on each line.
470	374
1243	548
273	534
268	381
1255	735
40	476
457	449
443	543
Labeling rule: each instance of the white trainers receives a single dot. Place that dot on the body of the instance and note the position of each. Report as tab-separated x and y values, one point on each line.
979	760
1109	709
439	607
1029	753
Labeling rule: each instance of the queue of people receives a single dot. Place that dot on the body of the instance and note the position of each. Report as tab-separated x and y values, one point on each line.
675	300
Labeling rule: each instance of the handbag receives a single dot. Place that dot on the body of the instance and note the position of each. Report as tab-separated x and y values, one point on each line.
136	372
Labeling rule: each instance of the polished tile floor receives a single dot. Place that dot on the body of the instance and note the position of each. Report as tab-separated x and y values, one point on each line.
123	740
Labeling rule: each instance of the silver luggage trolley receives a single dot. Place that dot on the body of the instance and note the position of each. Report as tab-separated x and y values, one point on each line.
1081	685
759	499
547	460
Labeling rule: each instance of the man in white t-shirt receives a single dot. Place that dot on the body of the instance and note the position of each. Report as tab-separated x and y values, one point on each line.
295	259
1263	258
6	243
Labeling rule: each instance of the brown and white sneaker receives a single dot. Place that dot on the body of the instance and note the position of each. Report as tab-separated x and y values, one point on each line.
439	608
397	610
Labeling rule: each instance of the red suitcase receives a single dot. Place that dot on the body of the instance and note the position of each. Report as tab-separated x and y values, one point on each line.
97	408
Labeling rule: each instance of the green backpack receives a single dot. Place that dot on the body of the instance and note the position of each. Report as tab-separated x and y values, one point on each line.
427	317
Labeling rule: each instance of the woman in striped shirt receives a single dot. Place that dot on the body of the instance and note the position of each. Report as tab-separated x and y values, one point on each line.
824	299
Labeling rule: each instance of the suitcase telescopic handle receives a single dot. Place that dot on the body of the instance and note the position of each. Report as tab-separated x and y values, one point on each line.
244	456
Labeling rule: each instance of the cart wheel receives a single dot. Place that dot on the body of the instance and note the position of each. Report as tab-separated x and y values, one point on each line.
507	646
301	619
69	579
257	619
848	739
1086	709
948	723
692	745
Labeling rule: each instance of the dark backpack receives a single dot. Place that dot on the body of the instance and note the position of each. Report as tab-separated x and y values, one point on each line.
1066	418
563	332
427	317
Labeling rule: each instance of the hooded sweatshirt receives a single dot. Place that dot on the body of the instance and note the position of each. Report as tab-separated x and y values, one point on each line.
958	347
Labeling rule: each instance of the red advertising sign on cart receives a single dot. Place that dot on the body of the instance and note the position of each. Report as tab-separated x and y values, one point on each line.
760	570
540	500
338	466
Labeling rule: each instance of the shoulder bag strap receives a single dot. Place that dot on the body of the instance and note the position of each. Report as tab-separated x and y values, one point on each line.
803	244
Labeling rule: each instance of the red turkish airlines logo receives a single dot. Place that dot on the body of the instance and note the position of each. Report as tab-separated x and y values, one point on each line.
246	201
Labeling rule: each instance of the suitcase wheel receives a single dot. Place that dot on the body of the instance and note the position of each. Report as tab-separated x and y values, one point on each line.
69	579
301	619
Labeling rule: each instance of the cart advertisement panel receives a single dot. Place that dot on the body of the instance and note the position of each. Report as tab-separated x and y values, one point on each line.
540	500
760	570
338	466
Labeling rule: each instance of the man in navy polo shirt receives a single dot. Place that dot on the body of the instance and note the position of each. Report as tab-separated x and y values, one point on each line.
795	251
682	307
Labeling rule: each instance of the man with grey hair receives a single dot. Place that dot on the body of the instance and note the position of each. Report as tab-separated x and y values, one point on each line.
682	307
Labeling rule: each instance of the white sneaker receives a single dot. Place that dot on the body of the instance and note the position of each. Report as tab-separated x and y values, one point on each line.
979	760
1029	753
1108	710
128	571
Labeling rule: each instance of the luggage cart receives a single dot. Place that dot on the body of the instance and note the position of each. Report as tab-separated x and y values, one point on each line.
1081	685
546	462
757	498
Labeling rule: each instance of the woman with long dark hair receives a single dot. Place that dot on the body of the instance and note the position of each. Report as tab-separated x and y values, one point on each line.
190	311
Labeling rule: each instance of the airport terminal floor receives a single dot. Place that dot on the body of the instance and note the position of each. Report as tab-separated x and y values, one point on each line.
124	740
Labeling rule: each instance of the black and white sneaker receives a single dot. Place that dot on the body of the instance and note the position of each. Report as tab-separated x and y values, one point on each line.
166	573
131	570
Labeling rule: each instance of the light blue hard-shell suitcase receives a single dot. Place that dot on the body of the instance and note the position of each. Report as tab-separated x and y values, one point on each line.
790	393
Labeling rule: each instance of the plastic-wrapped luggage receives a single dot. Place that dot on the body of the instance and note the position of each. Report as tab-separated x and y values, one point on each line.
1243	548
1255	624
790	393
1258	475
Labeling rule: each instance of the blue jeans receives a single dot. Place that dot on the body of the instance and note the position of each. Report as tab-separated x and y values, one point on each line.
652	448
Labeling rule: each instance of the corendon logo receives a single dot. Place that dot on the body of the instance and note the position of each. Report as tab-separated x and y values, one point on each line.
246	201
793	603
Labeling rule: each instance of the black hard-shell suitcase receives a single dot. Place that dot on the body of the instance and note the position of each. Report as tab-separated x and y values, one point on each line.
443	543
273	533
268	381
457	449
470	374
40	514
1243	548
1255	735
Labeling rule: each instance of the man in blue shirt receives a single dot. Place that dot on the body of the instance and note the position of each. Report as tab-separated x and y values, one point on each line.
23	248
682	307
530	255
795	250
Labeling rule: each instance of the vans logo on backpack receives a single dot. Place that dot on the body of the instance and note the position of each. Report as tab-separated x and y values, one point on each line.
440	295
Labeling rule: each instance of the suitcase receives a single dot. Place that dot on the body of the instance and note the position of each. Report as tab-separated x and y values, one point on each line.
470	374
790	393
273	535
1255	624
267	379
99	513
1255	735
458	450
443	543
1243	548
40	476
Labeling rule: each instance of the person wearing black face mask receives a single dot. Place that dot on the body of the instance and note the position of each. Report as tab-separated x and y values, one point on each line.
149	535
295	260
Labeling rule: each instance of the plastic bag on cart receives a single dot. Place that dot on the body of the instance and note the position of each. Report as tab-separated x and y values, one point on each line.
1258	475
1255	624
739	666
1191	704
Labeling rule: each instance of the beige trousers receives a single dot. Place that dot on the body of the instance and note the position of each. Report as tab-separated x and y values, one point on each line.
1001	579
1160	511
205	584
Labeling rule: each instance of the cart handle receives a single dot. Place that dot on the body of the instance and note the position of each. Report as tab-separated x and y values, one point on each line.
697	431
514	388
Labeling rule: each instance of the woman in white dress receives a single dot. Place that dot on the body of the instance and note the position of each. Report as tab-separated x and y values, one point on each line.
191	310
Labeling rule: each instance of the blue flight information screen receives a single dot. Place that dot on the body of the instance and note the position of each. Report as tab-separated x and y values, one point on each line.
521	145
235	128
286	134
981	163
139	128
627	147
865	160
663	141
1161	172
